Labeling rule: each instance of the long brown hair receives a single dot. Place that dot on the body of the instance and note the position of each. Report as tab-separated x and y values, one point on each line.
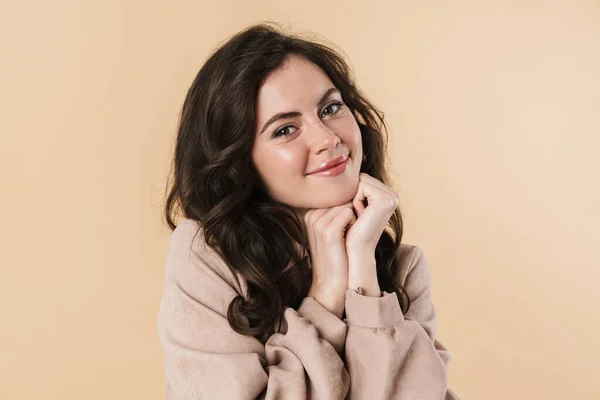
215	183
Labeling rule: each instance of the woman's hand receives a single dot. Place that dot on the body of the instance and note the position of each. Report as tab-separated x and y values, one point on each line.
372	219
363	236
326	228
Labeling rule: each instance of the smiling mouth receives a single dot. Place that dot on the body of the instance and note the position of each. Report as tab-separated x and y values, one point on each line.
334	171
331	164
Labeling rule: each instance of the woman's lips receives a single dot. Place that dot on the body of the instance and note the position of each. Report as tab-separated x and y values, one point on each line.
330	164
333	171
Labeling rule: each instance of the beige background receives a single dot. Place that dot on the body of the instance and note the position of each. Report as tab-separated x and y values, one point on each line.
494	116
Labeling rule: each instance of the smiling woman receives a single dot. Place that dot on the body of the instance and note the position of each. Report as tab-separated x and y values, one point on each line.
292	145
287	277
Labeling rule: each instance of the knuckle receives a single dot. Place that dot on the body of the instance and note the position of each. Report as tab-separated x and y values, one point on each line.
307	216
318	225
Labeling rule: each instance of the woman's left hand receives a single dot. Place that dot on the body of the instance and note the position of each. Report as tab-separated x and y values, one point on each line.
362	237
364	234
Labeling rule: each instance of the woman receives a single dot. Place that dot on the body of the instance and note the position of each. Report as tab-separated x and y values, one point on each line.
282	281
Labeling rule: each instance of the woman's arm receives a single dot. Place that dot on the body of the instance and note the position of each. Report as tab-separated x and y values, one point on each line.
394	356
205	359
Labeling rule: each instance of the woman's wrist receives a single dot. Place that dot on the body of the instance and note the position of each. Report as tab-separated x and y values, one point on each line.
362	273
332	298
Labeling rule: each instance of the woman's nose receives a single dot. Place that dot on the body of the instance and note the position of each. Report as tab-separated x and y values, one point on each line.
323	137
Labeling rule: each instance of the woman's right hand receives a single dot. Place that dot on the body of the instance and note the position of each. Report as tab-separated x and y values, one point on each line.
326	228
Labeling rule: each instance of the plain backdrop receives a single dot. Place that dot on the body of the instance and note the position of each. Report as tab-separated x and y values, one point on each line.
494	116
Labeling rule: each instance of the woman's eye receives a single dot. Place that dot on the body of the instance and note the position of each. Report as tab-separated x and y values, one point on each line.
337	103
283	131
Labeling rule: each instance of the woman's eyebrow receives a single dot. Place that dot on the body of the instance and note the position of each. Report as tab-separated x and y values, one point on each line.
289	114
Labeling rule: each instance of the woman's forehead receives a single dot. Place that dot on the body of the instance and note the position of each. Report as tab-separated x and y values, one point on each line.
295	80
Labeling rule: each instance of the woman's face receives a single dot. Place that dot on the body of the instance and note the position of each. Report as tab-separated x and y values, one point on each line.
286	149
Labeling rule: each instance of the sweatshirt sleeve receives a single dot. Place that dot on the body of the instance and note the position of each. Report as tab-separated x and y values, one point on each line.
204	358
394	356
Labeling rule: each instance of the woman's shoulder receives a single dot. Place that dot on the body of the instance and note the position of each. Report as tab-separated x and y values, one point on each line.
191	258
411	263
183	230
187	238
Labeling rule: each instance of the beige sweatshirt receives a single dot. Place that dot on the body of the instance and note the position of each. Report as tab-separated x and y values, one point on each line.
387	355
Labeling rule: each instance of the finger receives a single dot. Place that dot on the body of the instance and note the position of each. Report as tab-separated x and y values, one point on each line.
375	190
314	215
310	219
376	184
342	221
358	201
332	213
371	192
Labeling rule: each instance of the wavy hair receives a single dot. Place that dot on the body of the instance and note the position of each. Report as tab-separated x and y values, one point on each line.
214	182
